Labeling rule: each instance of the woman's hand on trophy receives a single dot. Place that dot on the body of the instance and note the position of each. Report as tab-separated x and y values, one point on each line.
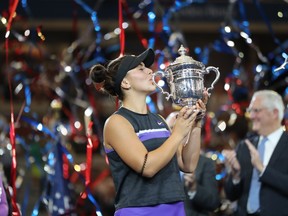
206	96
201	105
185	120
188	112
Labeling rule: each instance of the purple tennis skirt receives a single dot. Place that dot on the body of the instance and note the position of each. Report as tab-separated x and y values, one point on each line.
174	209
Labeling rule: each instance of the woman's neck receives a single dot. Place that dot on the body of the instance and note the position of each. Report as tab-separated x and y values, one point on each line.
136	106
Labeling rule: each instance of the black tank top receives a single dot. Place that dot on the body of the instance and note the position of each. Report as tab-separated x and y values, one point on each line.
132	188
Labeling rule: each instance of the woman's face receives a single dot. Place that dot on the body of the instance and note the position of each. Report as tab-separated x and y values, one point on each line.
140	79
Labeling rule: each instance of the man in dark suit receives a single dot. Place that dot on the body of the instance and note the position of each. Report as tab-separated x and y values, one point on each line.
264	165
202	189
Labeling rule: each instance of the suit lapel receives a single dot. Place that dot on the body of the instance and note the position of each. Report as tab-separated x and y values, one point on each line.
283	142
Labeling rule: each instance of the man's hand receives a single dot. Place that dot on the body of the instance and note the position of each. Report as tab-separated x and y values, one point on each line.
190	181
232	161
255	158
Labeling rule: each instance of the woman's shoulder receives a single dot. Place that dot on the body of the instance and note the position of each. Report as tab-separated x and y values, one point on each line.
116	126
115	120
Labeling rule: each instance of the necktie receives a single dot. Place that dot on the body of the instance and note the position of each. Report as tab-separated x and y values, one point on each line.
253	198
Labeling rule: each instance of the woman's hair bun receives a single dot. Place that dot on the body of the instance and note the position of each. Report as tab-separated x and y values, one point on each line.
98	73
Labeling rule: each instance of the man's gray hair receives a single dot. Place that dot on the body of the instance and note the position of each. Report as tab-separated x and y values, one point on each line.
271	100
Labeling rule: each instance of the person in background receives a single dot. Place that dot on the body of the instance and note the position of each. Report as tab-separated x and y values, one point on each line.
4	207
259	166
201	188
145	158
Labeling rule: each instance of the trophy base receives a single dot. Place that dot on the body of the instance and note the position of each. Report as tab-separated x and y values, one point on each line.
186	102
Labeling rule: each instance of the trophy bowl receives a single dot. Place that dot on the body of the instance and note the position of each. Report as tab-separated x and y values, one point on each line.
185	78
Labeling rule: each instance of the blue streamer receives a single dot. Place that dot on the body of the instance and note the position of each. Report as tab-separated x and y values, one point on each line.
27	98
262	13
178	5
25	7
35	211
203	56
27	149
244	26
94	202
221	46
38	126
151	28
93	16
27	92
24	3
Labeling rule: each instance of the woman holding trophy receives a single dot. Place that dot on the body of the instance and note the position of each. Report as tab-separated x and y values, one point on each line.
144	155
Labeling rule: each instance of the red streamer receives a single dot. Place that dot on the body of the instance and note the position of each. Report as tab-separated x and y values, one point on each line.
102	176
121	38
135	26
15	210
89	155
65	167
207	126
122	33
13	5
71	119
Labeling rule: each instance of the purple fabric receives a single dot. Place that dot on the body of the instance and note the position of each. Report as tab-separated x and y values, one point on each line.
3	200
152	134
146	135
175	209
108	150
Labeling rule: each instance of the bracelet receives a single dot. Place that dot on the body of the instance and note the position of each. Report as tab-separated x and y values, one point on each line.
144	164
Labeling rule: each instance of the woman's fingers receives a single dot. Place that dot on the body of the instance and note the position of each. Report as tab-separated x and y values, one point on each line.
186	111
205	96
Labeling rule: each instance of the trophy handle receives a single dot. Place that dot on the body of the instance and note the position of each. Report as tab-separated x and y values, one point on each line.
211	68
162	91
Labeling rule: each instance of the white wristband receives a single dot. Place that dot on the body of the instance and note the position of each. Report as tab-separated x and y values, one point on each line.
191	194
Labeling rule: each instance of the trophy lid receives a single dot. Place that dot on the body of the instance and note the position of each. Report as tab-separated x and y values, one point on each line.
185	59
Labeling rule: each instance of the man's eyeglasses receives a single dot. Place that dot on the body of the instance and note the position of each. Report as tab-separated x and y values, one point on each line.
254	110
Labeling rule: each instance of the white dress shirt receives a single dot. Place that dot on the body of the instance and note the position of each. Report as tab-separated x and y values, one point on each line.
270	145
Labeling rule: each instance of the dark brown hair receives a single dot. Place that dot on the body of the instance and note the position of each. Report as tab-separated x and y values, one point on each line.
110	77
106	75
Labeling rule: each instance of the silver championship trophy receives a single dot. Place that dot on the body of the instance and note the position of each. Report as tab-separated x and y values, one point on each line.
185	77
